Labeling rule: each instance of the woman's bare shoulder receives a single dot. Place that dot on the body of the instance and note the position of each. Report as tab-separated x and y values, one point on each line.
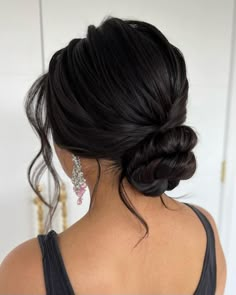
21	270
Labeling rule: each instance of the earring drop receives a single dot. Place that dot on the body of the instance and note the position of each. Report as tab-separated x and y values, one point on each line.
78	181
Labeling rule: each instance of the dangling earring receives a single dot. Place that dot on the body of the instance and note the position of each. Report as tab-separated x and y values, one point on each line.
77	179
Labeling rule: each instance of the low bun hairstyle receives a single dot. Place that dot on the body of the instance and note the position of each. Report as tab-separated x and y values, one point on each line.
118	94
161	161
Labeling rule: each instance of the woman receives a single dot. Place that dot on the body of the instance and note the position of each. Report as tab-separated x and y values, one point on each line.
115	105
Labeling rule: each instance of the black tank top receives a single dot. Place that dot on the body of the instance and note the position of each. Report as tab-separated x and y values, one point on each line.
57	281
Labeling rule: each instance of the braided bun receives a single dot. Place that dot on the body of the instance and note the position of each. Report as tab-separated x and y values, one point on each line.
161	160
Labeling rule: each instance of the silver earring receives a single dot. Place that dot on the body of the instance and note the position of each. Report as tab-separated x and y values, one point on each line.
78	180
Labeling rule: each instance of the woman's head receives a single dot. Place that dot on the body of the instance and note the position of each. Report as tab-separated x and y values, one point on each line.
118	94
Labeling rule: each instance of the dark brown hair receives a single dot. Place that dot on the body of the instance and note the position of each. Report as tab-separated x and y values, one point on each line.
119	94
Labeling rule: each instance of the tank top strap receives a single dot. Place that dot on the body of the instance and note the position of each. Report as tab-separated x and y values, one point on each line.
207	282
55	276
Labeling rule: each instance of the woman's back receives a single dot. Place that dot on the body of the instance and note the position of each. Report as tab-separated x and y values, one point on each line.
99	258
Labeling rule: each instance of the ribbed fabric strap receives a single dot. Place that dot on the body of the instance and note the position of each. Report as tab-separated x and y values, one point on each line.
207	283
55	276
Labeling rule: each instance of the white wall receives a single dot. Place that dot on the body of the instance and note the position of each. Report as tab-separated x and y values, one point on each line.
20	64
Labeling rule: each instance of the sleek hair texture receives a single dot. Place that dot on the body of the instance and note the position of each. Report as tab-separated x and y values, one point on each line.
118	94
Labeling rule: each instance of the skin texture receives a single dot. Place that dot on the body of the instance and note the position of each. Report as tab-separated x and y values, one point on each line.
161	263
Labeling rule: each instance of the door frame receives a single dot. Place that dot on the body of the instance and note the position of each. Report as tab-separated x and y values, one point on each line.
227	218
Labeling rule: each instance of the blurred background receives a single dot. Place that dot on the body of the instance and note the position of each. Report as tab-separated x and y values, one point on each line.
205	31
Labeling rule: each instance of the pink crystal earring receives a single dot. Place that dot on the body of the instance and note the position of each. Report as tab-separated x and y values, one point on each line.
78	181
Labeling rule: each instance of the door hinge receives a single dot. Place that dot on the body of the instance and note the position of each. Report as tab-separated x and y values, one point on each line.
223	171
